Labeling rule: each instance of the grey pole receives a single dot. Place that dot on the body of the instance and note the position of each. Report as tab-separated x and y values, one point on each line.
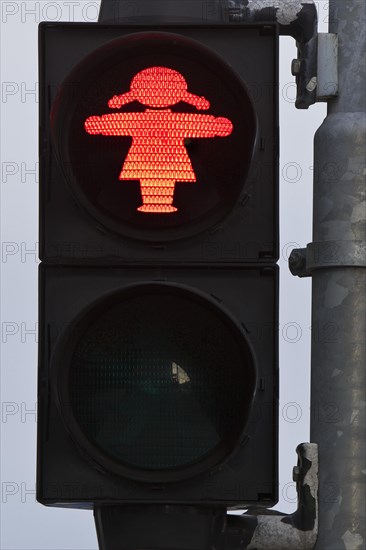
339	281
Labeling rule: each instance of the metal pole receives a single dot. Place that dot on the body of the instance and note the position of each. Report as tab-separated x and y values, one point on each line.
339	281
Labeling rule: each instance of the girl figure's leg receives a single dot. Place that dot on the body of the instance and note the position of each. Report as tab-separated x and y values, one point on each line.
157	196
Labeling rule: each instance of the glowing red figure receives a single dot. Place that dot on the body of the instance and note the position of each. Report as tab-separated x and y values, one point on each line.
158	157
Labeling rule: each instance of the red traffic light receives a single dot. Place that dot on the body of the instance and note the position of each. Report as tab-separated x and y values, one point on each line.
158	157
158	143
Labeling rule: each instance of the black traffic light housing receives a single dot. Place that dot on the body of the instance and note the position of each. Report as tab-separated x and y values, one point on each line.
239	469
218	256
88	215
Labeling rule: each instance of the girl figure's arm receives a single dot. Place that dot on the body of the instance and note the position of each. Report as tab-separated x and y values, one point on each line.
203	126
116	124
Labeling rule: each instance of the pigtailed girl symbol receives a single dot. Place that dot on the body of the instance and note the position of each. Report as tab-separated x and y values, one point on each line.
158	157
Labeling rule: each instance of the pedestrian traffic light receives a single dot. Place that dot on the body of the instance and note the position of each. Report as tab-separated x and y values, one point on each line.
158	282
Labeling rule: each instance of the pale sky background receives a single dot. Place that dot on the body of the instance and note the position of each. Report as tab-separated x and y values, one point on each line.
25	524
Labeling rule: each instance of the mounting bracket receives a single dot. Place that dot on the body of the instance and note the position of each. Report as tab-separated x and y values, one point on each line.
296	18
327	254
260	529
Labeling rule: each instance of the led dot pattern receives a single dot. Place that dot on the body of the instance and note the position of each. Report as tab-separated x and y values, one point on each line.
122	136
159	87
159	381
158	157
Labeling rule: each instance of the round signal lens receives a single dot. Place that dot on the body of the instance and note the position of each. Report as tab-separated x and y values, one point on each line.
155	135
158	382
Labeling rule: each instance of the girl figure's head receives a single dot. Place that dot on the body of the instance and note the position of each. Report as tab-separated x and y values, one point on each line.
159	87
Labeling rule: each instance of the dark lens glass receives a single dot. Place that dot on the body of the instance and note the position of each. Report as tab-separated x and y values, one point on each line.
160	380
